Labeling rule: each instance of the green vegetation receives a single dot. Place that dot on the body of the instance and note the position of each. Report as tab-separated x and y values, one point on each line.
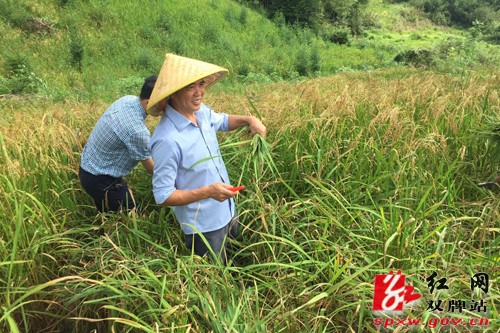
96	49
360	174
369	166
481	17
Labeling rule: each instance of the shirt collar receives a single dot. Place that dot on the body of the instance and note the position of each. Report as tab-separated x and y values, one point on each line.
144	113
178	119
138	106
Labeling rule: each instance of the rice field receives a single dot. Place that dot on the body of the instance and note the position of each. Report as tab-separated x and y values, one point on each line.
360	174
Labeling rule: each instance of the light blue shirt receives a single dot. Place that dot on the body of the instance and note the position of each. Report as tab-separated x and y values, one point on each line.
118	141
187	157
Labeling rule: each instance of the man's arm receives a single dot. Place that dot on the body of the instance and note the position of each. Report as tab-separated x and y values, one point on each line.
218	191
166	158
148	165
255	125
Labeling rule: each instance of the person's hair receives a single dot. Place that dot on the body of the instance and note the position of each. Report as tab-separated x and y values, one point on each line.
147	87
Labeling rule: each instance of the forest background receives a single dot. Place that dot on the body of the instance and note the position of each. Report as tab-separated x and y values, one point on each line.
383	119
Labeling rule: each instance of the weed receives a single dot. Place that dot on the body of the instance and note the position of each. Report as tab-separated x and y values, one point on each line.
21	78
302	62
76	49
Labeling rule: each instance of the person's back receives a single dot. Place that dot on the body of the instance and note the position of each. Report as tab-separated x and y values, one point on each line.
118	141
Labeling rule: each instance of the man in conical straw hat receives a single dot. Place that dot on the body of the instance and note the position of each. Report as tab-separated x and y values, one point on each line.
189	172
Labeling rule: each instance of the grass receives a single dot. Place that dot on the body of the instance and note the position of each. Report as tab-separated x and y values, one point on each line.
360	174
88	49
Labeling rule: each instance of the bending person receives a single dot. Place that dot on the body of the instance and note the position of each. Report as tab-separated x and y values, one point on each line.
118	142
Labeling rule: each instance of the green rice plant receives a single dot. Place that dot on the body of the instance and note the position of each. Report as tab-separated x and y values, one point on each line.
358	175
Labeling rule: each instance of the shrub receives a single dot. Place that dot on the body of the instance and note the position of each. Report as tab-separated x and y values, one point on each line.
243	69
279	19
17	16
144	60
340	35
301	62
415	57
211	34
177	44
76	49
130	85
98	16
243	15
257	78
441	18
214	4
416	36
21	78
22	17
63	3
292	75
14	64
493	36
410	14
305	35
460	53
230	16
163	24
4	86
315	59
370	20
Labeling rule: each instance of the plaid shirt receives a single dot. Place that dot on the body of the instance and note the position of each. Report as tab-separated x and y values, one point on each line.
118	141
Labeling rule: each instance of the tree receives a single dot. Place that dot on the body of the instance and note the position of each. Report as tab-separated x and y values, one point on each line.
303	12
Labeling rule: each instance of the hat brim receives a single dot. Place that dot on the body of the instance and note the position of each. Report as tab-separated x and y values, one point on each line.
179	72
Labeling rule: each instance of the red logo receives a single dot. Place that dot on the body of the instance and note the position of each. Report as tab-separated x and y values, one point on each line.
391	293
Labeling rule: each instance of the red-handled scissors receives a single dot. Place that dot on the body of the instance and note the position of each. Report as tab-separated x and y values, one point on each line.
236	189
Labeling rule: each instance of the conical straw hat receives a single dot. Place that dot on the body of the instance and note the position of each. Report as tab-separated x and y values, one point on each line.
178	72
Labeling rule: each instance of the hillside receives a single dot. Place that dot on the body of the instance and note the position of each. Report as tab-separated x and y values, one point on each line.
100	49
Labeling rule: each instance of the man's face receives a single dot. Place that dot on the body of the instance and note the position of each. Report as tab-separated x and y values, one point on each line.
189	99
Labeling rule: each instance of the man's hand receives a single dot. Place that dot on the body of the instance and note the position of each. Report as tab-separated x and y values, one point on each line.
217	191
254	124
220	191
257	127
148	165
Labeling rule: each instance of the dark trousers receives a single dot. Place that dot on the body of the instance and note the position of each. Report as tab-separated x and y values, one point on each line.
110	194
216	239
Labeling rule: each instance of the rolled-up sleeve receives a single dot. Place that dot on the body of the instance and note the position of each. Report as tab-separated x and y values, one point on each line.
220	121
166	156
